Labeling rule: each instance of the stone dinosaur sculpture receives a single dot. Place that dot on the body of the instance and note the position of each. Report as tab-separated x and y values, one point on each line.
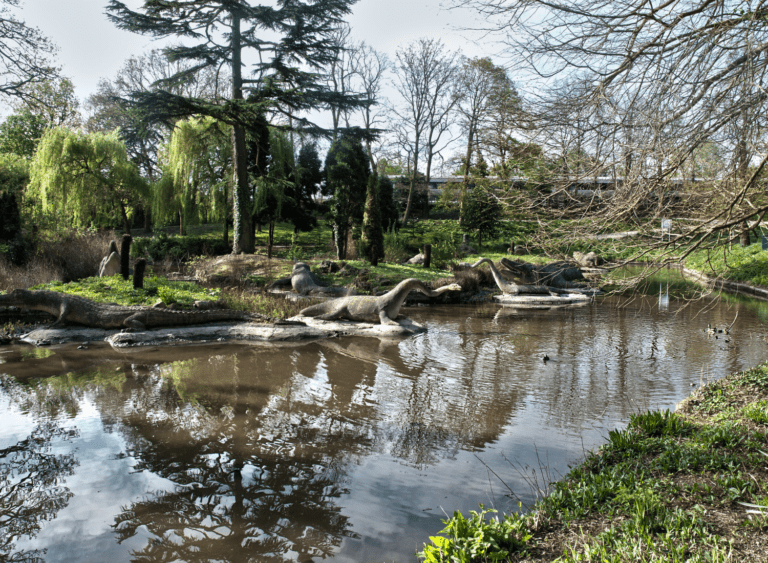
536	279
304	282
588	260
383	308
554	274
79	310
509	287
110	264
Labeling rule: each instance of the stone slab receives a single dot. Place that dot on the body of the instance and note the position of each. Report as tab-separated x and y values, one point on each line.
230	332
542	301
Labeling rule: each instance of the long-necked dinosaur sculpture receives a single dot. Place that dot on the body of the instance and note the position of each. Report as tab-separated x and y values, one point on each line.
535	279
79	310
383	308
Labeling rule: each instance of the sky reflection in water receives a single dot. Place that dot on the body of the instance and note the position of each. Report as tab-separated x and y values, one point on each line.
348	448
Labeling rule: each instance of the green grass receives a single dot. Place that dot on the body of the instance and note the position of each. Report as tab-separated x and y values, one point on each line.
746	264
666	488
115	289
394	272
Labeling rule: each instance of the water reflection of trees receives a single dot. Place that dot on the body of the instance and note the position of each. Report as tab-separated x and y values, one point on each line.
267	512
32	487
245	489
457	389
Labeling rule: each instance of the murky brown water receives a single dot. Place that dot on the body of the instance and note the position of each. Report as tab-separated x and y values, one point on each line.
348	448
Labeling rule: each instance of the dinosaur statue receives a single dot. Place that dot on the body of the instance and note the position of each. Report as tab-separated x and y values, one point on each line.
79	310
383	308
588	260
110	264
550	278
304	282
508	287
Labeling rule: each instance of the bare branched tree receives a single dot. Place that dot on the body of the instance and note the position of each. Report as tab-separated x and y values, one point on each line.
339	75
24	55
369	68
639	92
424	76
487	103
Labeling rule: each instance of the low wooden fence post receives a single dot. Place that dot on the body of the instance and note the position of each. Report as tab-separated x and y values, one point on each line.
125	256
138	273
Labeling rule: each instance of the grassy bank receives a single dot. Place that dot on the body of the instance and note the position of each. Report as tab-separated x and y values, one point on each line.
669	487
745	264
183	294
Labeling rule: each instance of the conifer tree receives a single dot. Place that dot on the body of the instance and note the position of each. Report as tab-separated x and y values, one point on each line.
387	206
372	241
309	170
481	212
290	41
346	174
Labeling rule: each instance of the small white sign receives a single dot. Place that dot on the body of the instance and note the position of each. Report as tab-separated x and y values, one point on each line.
666	225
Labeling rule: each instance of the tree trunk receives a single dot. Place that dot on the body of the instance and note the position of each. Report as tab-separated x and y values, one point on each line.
138	273
226	216
151	176
125	255
270	238
413	183
465	187
340	239
243	230
744	234
470	137
124	216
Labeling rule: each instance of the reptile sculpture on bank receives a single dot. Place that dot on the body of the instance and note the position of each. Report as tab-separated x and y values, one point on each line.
305	282
383	308
79	310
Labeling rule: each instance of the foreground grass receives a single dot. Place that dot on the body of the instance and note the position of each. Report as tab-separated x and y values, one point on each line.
667	488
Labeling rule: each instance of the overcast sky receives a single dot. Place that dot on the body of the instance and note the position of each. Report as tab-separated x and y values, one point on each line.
90	47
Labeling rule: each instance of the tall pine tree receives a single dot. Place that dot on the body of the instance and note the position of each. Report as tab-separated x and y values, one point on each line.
290	41
372	240
347	169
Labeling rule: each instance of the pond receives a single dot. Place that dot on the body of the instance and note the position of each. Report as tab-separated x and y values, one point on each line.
351	449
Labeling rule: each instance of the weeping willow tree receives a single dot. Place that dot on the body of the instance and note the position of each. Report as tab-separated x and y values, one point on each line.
84	179
196	174
274	187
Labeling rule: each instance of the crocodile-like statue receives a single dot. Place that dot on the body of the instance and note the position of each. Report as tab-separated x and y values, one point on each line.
79	310
550	278
304	282
383	308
